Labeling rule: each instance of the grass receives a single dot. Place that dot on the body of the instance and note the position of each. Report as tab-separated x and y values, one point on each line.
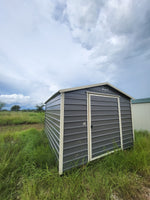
20	127
28	171
15	118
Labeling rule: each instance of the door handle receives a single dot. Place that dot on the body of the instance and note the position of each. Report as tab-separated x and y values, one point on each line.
91	126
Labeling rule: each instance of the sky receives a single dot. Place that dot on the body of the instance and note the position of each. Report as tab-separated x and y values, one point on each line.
54	44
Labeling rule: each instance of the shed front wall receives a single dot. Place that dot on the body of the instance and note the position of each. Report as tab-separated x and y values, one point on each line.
75	151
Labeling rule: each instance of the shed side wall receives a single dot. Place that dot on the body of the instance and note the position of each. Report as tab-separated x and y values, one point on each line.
52	123
75	124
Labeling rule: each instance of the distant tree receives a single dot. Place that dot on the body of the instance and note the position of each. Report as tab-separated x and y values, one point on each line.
2	104
15	108
39	108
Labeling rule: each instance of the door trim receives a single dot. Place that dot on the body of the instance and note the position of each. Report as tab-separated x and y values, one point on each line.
89	135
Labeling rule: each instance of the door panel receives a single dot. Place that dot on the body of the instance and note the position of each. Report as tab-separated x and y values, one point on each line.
104	125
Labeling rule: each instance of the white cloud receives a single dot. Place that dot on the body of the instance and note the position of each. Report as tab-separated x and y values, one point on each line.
48	45
14	98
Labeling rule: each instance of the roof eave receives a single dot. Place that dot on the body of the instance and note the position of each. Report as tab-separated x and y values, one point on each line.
87	86
94	85
58	92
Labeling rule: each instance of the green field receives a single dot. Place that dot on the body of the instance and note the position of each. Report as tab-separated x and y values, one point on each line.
20	117
28	169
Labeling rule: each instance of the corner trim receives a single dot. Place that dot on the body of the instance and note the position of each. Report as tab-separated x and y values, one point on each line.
120	123
61	140
132	120
88	126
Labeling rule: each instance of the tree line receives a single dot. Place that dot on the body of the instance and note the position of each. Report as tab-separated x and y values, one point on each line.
39	107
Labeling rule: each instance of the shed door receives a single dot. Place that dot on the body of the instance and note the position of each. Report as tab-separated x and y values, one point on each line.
105	134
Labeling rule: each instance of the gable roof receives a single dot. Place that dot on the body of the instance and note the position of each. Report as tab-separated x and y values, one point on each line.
87	86
143	100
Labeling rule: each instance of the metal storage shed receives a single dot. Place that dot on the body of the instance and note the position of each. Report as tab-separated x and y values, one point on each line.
88	122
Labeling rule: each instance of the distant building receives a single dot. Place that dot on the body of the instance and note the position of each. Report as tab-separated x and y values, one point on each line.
141	114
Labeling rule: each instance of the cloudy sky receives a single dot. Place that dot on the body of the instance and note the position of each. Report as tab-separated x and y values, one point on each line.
53	44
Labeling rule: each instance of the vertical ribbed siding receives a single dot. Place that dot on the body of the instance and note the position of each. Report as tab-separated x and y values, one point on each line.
52	123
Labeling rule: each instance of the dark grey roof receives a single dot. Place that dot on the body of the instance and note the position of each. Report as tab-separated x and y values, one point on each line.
88	86
144	100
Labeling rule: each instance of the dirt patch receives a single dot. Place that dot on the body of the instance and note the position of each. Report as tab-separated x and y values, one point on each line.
115	197
143	195
146	193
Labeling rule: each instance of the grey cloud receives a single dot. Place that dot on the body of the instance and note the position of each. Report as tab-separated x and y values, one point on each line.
93	23
58	12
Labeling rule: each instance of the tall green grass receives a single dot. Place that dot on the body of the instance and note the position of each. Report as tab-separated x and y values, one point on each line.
22	155
15	118
28	171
